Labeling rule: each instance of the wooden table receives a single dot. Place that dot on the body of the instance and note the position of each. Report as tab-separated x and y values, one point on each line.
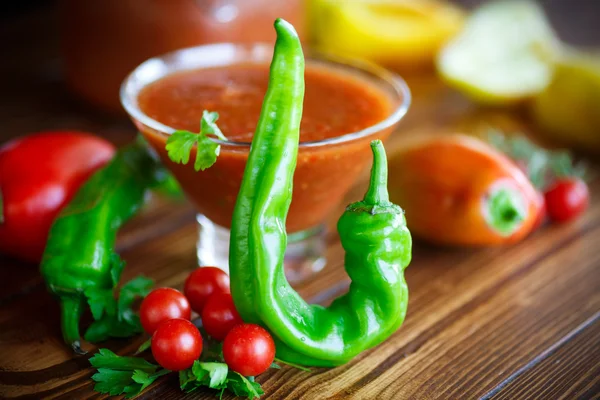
505	323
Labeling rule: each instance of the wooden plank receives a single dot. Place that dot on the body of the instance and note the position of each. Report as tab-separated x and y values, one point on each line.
570	369
446	286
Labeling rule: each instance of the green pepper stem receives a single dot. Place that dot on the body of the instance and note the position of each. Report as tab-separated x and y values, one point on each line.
505	210
378	192
71	309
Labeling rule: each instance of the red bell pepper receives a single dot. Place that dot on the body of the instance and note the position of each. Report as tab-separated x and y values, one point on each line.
39	174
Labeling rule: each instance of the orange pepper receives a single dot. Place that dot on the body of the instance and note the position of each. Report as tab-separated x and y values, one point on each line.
458	190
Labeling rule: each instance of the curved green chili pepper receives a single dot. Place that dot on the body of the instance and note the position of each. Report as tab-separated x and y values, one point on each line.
80	253
373	233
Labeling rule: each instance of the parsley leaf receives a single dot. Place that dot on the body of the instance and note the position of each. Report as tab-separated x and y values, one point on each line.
135	288
111	382
144	346
180	143
110	326
216	375
145	379
297	366
117	266
242	386
123	375
115	318
101	301
107	359
541	165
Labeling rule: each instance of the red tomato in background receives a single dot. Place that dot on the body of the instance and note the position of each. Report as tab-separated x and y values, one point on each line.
176	344
567	199
39	174
249	349
219	315
202	283
161	305
542	213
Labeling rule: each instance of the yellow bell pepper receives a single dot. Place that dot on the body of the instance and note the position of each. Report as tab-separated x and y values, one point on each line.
402	34
568	111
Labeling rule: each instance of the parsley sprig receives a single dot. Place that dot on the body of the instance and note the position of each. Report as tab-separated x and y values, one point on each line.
180	143
123	375
216	375
117	375
115	317
541	165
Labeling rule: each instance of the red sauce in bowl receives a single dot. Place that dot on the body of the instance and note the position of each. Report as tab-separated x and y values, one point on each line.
336	103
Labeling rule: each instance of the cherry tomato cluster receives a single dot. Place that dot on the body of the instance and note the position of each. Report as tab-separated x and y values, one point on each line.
176	342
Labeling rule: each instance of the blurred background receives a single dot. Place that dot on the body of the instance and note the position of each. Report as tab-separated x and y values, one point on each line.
63	60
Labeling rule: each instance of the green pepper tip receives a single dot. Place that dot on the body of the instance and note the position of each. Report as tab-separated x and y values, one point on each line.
281	25
76	346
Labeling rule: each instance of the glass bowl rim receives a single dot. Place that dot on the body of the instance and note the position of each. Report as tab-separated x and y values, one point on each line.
398	84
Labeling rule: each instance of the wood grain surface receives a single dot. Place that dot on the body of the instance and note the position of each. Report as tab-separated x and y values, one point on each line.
518	322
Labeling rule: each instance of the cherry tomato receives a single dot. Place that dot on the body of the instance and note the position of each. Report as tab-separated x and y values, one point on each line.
162	305
566	199
176	344
542	214
202	283
39	174
249	349
219	315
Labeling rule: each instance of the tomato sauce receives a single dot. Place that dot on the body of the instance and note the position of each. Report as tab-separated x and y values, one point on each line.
336	103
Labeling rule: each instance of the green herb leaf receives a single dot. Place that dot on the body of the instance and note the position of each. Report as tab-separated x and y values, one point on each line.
216	375
111	326
111	381
180	143
187	380
208	124
116	268
144	346
135	288
101	301
541	165
297	366
116	318
119	375
107	359
242	386
145	379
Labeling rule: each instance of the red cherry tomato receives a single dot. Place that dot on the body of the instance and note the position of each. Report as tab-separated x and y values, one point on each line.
39	174
219	315
202	283
542	214
176	344
566	199
162	305
249	349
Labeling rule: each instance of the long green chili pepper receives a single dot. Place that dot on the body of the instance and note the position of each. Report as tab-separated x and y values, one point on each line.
80	252
373	233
